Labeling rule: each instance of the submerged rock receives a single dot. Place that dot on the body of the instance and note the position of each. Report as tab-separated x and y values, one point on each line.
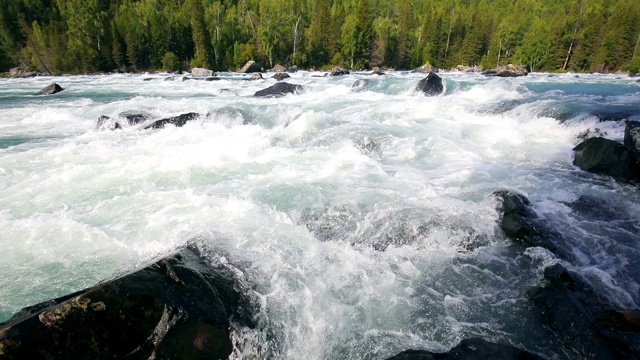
177	121
431	85
603	156
278	90
360	84
338	71
256	76
250	67
179	307
281	76
124	119
377	71
632	136
51	89
578	316
470	349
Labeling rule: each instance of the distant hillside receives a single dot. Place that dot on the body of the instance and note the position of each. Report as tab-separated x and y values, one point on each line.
61	36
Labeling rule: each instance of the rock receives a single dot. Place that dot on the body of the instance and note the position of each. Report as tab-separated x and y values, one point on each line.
250	67
171	78
278	90
468	69
376	71
23	72
278	69
491	72
200	72
427	68
293	69
632	136
51	89
135	117
212	78
179	307
281	76
574	311
603	156
177	121
338	71
431	85
511	71
470	349
360	84
147	79
517	220
638	81
257	76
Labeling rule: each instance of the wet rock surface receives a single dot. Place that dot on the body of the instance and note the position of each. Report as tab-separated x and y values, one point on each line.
607	157
51	89
431	85
179	307
278	90
470	349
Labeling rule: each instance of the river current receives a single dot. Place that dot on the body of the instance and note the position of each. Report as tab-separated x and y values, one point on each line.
361	219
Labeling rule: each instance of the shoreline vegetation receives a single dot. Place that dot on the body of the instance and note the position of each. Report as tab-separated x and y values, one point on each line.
98	36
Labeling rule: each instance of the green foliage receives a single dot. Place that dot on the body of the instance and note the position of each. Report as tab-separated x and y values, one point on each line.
170	62
634	65
103	35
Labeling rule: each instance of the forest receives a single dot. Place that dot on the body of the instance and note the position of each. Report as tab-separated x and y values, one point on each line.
87	36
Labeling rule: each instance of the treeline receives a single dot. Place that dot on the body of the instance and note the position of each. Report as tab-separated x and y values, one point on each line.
62	36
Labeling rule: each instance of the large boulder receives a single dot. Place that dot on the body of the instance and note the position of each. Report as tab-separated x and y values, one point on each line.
177	308
201	73
470	349
338	71
281	76
51	89
427	68
250	67
278	69
607	157
431	85
511	71
278	90
582	319
177	121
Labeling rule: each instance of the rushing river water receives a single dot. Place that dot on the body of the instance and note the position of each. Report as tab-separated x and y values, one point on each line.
362	219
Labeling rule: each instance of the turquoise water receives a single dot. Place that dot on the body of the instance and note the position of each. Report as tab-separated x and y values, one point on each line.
363	219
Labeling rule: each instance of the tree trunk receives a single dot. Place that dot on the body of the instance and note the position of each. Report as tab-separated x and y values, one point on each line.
566	61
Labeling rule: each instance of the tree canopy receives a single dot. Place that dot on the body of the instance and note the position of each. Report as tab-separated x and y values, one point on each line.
66	36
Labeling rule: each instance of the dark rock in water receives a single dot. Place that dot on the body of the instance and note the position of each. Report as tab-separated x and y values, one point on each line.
338	71
632	136
607	157
177	308
147	79
256	76
431	85
377	71
471	349
212	78
575	312
51	89
593	208
135	117
293	69
177	121
490	72
250	67
360	83
281	76
126	118
638	81
517	220
279	89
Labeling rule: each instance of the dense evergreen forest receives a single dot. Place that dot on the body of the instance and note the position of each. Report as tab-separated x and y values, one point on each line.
70	36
